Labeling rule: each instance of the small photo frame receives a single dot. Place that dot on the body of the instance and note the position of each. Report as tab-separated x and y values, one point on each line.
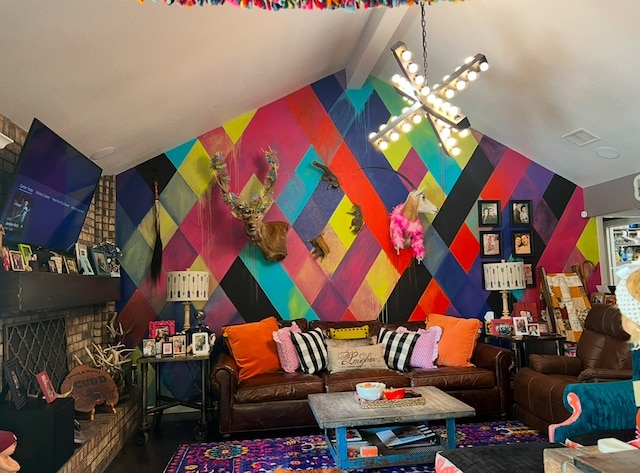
522	244
162	329
529	275
12	377
46	387
52	266
200	342
501	327
489	213
17	263
148	347
179	344
57	261
610	299
70	265
99	259
520	213
533	330
25	251
491	243
82	255
519	326
597	298
544	329
167	349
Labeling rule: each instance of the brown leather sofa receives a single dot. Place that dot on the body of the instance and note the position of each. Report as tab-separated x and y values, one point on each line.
602	354
279	400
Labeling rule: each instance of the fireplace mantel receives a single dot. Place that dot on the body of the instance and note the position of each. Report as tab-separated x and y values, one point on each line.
33	291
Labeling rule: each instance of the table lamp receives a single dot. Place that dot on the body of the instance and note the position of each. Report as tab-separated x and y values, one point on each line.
504	277
186	287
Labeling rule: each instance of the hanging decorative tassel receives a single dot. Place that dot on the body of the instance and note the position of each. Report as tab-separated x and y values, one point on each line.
156	260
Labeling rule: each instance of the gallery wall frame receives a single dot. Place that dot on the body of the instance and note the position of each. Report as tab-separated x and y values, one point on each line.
521	241
489	214
521	215
491	244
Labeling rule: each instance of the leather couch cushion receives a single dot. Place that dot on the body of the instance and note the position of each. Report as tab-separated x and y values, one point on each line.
453	377
278	386
347	380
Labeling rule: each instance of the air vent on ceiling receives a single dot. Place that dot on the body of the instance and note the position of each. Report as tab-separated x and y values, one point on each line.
581	137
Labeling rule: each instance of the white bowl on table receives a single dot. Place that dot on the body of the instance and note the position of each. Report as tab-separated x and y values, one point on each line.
370	391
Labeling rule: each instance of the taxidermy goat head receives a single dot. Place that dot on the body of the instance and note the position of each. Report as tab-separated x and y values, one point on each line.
269	237
406	228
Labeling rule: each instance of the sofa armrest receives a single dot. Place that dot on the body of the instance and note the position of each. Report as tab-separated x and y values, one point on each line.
501	361
555	364
598	375
596	407
224	376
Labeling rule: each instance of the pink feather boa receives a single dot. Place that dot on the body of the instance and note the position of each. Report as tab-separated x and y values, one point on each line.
404	232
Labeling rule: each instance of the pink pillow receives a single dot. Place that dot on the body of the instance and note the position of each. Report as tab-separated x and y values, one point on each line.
286	351
425	351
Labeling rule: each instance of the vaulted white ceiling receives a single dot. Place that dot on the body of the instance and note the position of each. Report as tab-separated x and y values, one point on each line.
144	78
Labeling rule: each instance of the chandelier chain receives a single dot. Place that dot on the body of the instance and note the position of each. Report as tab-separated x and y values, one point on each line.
423	23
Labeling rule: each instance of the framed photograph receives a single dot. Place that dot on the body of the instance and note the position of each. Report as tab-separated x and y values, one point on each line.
610	299
167	349
200	342
25	251
522	245
52	266
82	256
489	213
99	258
519	326
597	298
501	327
544	328
149	347
46	387
12	377
57	260
70	264
520	213
533	330
529	275
491	243
162	329
179	344
17	263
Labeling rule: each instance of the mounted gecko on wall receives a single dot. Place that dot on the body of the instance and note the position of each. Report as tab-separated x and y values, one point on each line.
269	237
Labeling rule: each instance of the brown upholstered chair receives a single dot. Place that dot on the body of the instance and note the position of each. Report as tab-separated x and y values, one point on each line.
602	354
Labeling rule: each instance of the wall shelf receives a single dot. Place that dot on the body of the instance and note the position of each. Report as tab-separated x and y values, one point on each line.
34	291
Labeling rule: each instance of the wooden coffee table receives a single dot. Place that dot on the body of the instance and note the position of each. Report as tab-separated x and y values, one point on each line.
335	412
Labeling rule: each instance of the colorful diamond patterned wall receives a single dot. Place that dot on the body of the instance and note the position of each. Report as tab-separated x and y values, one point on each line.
361	277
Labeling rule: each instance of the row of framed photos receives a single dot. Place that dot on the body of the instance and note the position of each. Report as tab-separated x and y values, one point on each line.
490	214
164	341
491	243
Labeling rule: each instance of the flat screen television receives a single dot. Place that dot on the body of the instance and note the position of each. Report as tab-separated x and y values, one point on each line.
49	197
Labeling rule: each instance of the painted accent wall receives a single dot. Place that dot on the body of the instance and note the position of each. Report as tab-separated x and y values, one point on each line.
362	277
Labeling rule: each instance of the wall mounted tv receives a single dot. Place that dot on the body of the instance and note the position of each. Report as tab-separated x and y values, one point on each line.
51	191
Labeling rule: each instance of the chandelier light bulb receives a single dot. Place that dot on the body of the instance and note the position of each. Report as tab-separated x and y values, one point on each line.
468	60
454	110
412	67
383	145
460	85
406	127
438	103
455	151
419	79
472	75
445	107
484	66
417	118
445	78
372	134
431	99
451	142
425	91
463	133
445	132
406	55
382	127
394	136
449	93
396	79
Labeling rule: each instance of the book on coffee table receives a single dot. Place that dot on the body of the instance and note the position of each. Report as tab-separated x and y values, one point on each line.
401	435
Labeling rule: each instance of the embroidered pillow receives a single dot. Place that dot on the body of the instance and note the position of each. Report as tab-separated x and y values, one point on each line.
349	333
426	350
458	341
286	351
311	350
356	358
398	348
253	347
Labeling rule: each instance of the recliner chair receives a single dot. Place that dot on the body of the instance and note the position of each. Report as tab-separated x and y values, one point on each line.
602	355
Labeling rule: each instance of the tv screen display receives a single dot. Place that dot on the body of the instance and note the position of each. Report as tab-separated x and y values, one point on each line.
52	189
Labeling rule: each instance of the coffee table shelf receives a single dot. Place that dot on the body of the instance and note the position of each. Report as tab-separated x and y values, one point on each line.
338	411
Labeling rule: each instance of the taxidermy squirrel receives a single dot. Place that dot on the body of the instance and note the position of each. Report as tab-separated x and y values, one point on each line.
328	176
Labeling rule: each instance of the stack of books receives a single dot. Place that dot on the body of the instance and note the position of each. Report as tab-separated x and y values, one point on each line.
408	436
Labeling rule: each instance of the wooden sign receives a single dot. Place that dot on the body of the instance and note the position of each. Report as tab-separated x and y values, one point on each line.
91	387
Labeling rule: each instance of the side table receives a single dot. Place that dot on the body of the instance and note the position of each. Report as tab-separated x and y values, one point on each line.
164	402
552	344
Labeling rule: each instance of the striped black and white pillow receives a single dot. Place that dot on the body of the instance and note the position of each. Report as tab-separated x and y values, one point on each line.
398	348
311	350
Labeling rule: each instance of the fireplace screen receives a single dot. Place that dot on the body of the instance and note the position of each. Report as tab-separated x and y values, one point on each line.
38	346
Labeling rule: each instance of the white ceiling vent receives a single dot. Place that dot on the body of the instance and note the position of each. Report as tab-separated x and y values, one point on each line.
581	137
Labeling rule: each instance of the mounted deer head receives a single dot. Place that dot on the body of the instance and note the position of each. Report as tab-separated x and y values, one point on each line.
269	237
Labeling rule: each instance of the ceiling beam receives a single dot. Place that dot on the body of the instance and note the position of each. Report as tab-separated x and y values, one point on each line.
373	42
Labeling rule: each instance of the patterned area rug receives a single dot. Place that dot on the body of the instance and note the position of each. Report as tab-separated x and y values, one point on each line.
310	453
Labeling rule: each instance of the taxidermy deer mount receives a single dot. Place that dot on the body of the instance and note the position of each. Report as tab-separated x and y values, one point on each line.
269	237
406	228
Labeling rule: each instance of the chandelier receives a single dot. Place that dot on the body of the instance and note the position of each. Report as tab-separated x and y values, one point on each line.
430	103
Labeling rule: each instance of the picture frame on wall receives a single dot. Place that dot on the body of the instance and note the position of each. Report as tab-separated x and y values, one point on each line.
490	244
70	264
162	329
520	213
521	243
489	213
529	275
82	255
17	263
99	260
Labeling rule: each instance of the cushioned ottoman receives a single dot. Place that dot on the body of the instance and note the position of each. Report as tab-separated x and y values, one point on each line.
512	458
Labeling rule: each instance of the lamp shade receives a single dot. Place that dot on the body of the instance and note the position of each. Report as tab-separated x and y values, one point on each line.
504	276
183	286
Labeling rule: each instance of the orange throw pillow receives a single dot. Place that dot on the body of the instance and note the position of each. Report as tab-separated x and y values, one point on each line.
459	337
253	347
